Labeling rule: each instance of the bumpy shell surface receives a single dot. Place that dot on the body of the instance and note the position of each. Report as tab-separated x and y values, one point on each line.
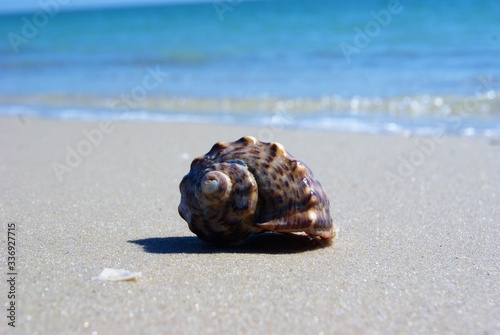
249	186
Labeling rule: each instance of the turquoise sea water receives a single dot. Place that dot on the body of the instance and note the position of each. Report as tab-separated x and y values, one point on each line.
374	66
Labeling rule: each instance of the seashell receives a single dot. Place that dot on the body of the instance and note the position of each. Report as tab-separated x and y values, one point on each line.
247	187
117	275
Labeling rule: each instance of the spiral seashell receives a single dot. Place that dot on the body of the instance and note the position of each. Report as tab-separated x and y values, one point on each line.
247	187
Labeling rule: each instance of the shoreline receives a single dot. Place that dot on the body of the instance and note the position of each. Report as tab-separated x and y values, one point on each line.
416	247
279	120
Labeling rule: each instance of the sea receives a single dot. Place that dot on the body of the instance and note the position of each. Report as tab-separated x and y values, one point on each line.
407	66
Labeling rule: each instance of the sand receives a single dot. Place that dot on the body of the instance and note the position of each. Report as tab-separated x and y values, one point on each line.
417	250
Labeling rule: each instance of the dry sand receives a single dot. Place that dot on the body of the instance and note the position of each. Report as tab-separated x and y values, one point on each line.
417	251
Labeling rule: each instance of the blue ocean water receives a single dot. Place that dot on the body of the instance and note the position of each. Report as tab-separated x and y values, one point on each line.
375	66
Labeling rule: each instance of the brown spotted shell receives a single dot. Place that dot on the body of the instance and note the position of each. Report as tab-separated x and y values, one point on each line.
249	186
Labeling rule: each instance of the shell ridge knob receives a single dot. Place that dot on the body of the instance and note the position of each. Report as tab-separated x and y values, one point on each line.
247	186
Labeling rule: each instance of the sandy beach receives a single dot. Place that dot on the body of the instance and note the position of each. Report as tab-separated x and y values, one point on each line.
417	250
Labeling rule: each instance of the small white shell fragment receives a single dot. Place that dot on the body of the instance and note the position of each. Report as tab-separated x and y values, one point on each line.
117	275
